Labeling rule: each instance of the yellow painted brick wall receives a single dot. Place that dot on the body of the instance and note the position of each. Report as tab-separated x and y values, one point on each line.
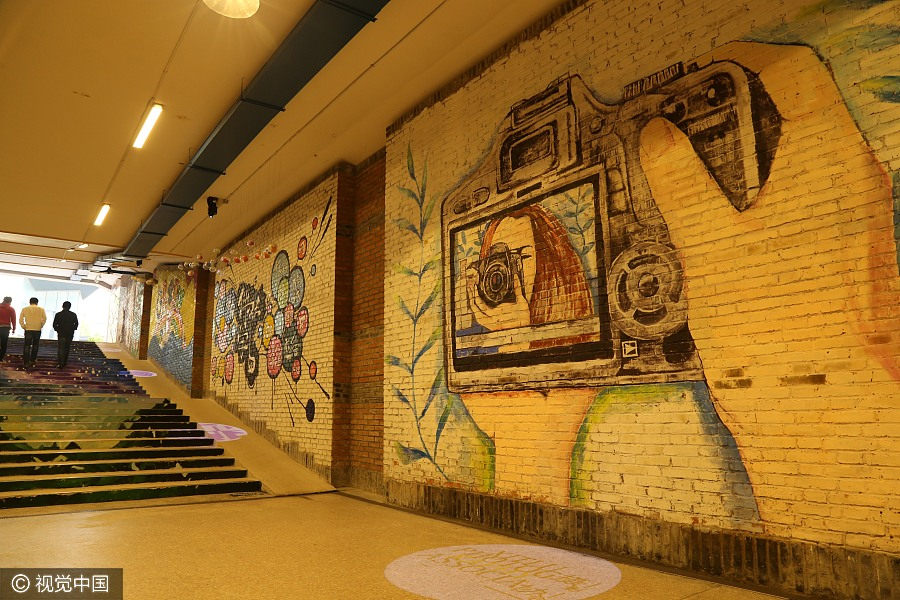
273	325
781	414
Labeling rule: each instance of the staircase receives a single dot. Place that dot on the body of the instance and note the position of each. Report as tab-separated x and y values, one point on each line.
63	444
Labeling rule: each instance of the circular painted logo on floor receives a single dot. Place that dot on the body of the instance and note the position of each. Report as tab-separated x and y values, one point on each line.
222	433
136	373
501	572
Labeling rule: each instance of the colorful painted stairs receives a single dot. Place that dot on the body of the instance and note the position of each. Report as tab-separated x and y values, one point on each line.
63	448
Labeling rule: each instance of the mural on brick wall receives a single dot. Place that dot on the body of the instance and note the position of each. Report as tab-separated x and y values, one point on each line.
261	327
130	308
172	323
634	314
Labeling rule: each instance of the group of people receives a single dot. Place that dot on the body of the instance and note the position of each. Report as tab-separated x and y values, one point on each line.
32	319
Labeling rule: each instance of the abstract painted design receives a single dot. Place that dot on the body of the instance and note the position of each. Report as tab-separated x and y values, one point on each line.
261	328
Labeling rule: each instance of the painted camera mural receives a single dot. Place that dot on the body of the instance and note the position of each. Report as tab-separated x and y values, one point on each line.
273	323
677	299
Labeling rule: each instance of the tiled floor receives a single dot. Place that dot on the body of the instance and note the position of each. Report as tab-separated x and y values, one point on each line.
304	541
319	546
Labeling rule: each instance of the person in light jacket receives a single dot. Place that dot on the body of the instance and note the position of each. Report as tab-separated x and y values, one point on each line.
64	323
32	319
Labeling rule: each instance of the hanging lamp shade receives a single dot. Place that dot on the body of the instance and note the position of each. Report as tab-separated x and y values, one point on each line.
234	9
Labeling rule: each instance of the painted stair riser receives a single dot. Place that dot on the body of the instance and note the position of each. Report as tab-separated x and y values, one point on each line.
94	417
81	497
101	444
22	426
62	468
76	411
118	479
91	455
87	434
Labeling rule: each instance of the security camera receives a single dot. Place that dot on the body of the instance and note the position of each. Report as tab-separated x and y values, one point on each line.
212	206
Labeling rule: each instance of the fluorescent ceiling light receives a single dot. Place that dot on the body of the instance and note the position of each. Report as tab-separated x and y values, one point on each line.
82	246
149	122
234	9
101	215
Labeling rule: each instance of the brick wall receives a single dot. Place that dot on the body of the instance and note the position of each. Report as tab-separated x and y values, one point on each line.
171	333
692	320
273	331
367	364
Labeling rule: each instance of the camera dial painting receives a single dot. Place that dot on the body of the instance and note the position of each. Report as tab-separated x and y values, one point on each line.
554	249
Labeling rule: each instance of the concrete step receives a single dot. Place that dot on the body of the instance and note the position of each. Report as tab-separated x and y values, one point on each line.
134	491
20	456
112	424
109	466
101	444
86	434
61	418
75	480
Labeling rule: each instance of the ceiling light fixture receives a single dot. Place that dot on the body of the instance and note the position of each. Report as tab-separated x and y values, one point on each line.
149	122
82	245
101	215
234	9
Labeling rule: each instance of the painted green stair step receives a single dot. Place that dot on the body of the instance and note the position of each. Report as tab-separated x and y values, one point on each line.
79	467
101	444
135	491
99	398
113	424
88	410
93	416
76	480
79	434
121	453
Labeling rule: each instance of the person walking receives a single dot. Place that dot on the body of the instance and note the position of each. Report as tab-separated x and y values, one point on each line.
32	319
7	322
64	323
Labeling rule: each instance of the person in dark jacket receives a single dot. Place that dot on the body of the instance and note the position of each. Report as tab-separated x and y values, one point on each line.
64	323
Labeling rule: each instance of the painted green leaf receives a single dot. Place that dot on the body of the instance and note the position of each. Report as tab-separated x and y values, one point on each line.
409	455
422	187
405	224
885	88
404	270
410	194
428	301
410	167
588	223
405	309
442	421
573	230
435	388
429	208
422	352
398	393
395	361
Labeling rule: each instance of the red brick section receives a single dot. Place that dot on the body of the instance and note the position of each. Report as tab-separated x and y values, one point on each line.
358	429
203	313
343	326
147	306
367	362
